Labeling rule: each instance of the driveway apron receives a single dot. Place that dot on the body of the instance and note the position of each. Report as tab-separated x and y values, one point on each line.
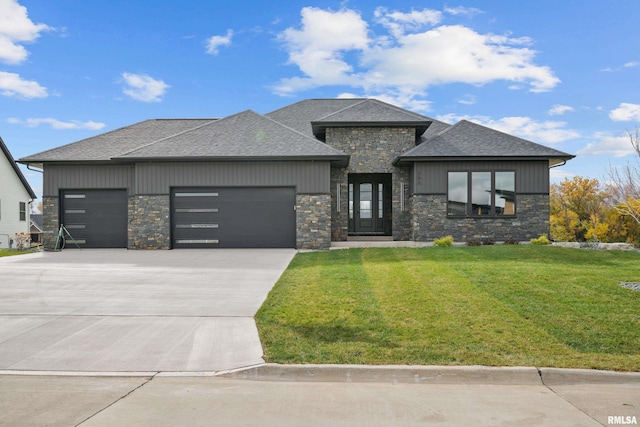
115	310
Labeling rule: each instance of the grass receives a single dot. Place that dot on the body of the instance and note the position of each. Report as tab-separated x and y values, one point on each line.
492	305
10	252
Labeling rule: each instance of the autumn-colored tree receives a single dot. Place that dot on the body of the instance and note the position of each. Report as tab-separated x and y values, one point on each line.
625	182
578	208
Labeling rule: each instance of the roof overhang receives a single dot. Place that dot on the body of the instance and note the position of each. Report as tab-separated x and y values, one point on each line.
553	161
338	160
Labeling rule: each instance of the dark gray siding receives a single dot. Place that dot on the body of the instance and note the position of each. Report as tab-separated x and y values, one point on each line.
58	177
307	177
431	177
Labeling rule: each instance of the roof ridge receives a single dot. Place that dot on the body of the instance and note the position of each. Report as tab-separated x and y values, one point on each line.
400	109
341	110
383	104
167	137
307	100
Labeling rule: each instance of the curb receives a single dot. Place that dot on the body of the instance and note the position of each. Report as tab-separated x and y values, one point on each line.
556	376
390	374
472	375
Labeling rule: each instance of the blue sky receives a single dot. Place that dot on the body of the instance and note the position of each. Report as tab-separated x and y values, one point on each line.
563	73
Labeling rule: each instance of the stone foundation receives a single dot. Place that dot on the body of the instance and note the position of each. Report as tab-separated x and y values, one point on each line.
313	221
149	222
429	220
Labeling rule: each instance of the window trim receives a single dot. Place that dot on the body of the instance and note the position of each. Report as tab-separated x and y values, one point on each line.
22	211
469	204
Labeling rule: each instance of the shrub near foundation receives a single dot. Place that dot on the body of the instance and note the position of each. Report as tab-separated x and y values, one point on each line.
443	242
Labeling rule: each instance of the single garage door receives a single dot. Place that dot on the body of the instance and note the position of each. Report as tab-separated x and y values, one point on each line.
248	217
95	218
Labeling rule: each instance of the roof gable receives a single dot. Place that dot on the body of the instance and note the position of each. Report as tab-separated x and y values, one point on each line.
471	140
246	135
16	169
371	113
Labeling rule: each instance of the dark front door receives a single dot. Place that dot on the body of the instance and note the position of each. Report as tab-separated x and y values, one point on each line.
370	204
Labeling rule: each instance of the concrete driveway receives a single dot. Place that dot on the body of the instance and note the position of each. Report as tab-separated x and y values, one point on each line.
135	311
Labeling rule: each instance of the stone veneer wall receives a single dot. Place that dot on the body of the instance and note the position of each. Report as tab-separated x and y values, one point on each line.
430	221
339	220
313	221
372	150
50	221
149	222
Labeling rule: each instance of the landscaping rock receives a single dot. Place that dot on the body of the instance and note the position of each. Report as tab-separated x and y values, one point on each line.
631	285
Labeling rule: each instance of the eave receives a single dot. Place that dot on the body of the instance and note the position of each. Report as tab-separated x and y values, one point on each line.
553	160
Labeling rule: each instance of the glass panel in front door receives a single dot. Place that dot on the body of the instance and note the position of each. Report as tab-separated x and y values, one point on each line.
366	200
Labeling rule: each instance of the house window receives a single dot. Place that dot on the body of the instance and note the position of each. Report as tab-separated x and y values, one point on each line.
458	194
23	211
491	193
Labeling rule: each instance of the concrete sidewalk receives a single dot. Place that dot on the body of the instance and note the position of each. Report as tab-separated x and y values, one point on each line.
308	395
118	310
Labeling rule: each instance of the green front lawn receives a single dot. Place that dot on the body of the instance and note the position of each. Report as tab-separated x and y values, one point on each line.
493	305
9	252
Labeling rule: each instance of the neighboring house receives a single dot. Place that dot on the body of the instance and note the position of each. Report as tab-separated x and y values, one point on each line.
36	229
313	172
15	196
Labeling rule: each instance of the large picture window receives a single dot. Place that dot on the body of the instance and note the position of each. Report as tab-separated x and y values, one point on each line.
486	193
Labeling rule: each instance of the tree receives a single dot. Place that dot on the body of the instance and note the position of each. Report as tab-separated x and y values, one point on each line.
625	182
578	209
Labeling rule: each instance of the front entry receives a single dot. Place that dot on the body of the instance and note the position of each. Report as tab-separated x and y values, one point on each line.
370	204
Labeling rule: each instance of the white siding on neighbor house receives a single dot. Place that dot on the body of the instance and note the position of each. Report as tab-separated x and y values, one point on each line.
12	192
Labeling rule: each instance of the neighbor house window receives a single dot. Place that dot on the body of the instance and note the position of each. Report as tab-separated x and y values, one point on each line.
486	193
23	211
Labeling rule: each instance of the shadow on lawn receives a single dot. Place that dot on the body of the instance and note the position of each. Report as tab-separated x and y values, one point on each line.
340	333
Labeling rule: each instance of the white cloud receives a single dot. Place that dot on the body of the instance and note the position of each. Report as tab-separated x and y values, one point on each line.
467	100
632	64
461	10
144	88
12	85
317	48
339	48
546	132
214	43
398	23
558	110
16	28
608	145
56	124
625	113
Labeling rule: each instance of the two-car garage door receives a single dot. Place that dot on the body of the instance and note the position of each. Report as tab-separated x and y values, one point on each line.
221	217
230	217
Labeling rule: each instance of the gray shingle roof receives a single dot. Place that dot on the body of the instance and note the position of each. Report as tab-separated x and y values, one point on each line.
246	135
470	140
371	112
288	133
105	146
300	114
4	149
